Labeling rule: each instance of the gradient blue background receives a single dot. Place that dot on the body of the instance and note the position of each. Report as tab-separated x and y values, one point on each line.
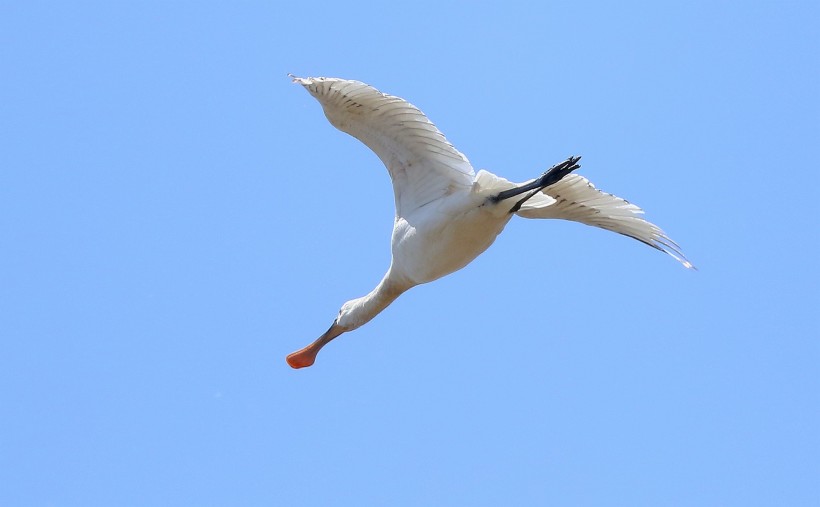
176	217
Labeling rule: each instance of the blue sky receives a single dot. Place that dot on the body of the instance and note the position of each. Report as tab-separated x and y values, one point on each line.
176	217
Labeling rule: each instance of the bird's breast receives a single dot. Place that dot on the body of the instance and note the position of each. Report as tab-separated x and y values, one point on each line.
429	245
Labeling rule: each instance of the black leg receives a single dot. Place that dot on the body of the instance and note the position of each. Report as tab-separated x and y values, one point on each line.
550	177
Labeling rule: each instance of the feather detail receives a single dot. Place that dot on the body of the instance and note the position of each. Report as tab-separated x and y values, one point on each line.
423	165
575	198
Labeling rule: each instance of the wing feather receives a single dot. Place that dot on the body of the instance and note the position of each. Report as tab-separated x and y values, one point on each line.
575	198
423	165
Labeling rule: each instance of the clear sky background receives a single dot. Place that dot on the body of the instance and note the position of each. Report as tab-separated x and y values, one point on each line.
176	217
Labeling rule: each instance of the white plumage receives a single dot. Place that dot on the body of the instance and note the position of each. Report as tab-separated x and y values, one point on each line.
446	214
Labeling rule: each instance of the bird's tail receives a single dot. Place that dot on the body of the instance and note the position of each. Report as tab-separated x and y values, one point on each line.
575	198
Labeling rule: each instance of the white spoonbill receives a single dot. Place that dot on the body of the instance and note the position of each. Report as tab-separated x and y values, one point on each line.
446	214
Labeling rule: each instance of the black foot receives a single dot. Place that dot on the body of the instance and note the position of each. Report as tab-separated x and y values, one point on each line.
552	176
555	173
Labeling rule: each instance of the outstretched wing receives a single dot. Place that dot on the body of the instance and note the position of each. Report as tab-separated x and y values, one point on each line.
575	198
423	165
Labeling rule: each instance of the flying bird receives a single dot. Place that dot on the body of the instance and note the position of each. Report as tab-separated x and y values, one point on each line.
446	213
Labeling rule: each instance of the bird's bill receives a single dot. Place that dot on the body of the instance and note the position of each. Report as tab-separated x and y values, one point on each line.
307	356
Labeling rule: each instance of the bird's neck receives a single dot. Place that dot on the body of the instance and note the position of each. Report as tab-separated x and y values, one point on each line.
365	308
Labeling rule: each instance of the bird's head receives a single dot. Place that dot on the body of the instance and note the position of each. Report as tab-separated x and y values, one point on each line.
351	315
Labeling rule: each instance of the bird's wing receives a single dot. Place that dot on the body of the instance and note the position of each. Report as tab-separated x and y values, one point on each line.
423	165
575	198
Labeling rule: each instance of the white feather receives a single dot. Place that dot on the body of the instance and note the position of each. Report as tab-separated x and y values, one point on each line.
423	165
575	198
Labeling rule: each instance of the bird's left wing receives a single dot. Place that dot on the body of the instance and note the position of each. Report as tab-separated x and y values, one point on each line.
423	165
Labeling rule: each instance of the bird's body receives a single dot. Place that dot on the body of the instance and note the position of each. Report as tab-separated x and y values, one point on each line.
446	214
445	236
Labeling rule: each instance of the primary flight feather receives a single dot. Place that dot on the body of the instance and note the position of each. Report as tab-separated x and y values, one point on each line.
446	214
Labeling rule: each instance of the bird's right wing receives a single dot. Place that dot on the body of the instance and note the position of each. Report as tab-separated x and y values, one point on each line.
423	165
575	198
